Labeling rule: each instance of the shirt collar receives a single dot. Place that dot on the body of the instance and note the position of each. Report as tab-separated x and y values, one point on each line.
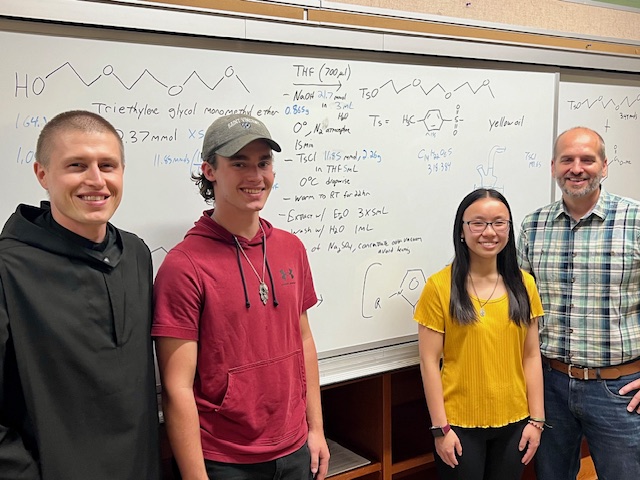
600	209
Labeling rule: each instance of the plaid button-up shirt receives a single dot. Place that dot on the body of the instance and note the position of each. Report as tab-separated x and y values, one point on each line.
588	276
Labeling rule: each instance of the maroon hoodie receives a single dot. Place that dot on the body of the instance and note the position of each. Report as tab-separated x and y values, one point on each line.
250	385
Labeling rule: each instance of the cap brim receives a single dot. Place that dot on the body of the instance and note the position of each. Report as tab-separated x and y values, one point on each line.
233	147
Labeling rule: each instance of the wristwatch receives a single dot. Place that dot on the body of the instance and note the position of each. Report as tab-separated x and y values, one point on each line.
440	431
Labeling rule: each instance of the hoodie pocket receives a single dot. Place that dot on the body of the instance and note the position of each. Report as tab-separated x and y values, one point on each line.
264	403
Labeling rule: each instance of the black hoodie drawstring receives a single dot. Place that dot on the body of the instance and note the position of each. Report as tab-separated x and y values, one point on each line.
273	290
244	283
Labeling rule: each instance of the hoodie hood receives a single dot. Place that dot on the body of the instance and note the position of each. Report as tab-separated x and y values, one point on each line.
27	226
208	228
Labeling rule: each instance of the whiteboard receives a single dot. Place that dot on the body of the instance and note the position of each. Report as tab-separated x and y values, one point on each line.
614	112
376	156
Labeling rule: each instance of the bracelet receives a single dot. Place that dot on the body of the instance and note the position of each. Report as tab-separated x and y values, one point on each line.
541	420
533	422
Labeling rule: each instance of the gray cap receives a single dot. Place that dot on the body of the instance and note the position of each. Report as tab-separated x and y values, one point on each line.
229	134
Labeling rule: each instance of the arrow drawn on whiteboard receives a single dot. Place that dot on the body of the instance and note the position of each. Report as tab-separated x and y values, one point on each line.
339	85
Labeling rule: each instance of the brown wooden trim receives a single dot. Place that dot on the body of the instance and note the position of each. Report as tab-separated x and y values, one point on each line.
421	461
382	23
387	405
242	6
460	31
358	472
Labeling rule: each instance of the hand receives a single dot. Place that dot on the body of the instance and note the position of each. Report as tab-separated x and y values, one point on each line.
319	451
447	447
531	441
634	404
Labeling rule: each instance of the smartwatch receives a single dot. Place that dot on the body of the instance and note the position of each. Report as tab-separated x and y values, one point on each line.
440	431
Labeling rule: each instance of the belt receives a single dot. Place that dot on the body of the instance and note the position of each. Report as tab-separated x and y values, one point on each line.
602	373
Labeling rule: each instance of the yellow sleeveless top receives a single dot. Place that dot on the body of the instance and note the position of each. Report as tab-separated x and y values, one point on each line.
482	374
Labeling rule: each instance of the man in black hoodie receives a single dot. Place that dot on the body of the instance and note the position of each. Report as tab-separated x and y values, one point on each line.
77	388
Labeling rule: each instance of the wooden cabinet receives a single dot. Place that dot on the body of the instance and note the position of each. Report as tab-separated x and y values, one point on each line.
383	418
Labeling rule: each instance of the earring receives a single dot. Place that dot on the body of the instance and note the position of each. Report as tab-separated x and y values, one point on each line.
461	239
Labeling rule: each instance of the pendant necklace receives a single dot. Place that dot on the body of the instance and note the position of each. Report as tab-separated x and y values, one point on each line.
482	312
263	289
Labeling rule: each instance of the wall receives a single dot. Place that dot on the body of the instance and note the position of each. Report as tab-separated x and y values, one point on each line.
548	15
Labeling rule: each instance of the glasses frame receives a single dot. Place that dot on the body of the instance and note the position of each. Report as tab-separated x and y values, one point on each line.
486	224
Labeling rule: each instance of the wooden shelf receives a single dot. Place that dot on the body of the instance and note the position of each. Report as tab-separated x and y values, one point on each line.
360	472
413	463
383	418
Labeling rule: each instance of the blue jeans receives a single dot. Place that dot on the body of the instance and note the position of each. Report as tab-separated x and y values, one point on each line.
295	466
593	409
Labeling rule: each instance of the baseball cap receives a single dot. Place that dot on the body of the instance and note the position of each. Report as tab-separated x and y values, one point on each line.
229	134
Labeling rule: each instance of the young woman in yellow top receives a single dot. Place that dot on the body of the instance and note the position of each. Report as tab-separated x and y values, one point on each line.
479	317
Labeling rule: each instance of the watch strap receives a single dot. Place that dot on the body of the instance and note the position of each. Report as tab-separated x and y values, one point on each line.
440	431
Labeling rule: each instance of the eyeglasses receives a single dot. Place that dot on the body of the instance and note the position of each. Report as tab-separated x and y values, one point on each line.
478	226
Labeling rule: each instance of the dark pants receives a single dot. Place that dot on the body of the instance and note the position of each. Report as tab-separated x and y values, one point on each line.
487	454
295	466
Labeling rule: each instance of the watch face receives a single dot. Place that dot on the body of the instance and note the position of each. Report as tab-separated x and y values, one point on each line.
440	431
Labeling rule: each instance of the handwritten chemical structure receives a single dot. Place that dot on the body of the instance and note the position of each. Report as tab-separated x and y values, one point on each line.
409	290
411	286
368	93
602	102
26	85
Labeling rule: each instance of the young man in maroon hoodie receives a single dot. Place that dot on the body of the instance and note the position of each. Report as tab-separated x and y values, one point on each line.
238	362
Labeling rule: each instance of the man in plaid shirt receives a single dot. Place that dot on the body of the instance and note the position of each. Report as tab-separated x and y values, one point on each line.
584	252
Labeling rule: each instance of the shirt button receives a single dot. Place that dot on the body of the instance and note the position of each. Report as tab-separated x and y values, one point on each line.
573	279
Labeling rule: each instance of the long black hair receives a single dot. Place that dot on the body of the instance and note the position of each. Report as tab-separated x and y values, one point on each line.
460	305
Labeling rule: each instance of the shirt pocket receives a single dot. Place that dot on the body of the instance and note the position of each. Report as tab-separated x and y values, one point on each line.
620	266
265	402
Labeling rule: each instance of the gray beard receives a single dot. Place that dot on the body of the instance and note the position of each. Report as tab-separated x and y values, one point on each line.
592	186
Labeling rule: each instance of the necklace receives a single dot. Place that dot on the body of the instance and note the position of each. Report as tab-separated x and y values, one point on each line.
263	290
482	312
